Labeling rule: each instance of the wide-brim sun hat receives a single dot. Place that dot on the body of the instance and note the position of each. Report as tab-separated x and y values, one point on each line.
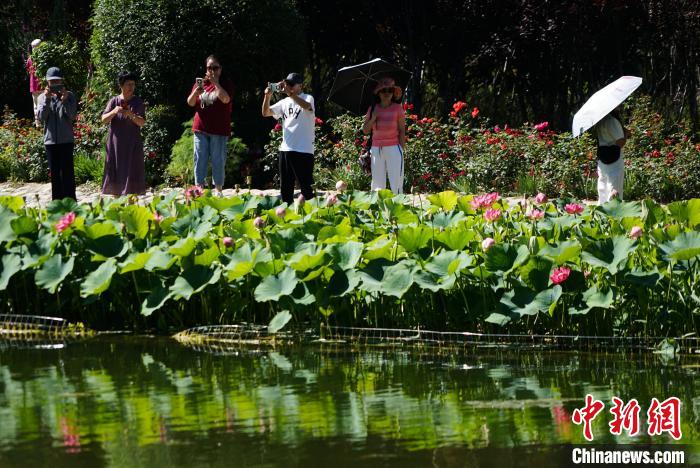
388	83
54	73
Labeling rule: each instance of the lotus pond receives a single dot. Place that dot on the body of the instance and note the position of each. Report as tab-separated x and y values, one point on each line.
146	401
444	262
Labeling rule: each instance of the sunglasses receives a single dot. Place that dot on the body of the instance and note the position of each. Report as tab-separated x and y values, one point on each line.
214	68
387	90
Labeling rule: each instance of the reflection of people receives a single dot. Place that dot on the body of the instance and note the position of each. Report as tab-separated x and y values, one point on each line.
212	123
611	165
57	109
124	165
34	83
385	120
296	153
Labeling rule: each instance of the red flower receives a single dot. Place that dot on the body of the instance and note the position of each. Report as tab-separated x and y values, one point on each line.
408	106
151	154
453	114
318	121
656	154
459	106
491	141
443	156
542	126
475	112
278	127
450	142
559	275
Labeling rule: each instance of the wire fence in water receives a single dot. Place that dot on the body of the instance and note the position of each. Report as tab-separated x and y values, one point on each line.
220	338
35	331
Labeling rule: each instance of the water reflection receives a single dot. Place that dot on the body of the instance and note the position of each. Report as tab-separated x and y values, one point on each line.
151	402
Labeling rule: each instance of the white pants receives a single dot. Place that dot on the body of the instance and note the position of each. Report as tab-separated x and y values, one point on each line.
610	177
35	100
387	160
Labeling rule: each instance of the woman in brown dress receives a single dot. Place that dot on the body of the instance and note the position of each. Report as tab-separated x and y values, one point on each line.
124	164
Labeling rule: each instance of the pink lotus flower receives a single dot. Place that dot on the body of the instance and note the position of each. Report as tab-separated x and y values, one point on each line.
487	243
542	126
259	222
281	212
65	222
534	213
636	232
301	200
540	198
193	192
574	208
331	200
492	215
484	201
341	186
228	242
559	275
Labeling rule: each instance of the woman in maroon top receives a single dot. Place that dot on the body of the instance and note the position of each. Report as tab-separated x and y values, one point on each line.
211	100
124	164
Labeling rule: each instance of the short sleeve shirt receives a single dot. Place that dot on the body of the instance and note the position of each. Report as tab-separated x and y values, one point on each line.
214	118
298	125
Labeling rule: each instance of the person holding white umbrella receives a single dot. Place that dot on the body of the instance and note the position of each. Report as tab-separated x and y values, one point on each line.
602	110
612	136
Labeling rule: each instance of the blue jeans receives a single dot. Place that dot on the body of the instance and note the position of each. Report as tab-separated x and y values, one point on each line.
206	146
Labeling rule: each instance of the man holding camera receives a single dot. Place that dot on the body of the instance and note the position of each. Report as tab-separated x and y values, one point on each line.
57	109
296	153
211	99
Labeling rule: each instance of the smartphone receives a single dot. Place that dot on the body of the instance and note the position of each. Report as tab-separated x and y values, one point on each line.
56	89
200	82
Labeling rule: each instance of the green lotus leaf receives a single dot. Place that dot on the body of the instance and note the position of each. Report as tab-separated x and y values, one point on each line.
272	287
563	252
7	234
686	211
621	209
446	200
155	300
11	264
136	220
208	257
107	246
431	281
301	295
279	321
53	272
502	257
342	282
338	233
397	213
413	238
100	229
448	262
443	220
159	260
397	279
135	261
524	301
236	211
456	238
12	202
647	279
99	280
183	247
685	246
346	255
611	253
372	275
23	225
464	204
535	273
194	280
380	247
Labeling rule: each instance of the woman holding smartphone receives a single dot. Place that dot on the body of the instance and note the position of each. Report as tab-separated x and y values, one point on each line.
124	164
57	109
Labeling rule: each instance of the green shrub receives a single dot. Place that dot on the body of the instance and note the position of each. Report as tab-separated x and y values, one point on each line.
22	152
160	133
88	169
63	52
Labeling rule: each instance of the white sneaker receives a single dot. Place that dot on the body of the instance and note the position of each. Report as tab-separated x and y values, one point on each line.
218	193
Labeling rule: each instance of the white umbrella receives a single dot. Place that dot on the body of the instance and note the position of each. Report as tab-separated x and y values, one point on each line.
603	102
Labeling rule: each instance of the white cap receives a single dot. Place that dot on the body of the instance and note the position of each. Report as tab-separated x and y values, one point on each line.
36	42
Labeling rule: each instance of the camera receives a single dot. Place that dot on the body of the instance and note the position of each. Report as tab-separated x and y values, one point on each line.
275	87
56	88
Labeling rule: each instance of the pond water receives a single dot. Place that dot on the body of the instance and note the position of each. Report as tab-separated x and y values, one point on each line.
150	401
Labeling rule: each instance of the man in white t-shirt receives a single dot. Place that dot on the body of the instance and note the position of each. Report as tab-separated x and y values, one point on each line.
296	153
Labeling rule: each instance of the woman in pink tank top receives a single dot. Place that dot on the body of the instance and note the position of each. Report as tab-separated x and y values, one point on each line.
385	120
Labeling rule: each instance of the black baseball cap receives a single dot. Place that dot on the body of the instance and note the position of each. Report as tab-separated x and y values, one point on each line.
294	78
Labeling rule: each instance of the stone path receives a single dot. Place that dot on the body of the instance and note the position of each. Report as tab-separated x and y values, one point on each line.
36	194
